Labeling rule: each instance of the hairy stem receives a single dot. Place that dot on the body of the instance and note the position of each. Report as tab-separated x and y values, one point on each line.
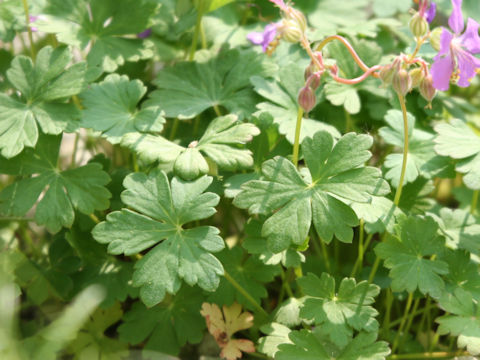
398	194
359	262
245	293
33	53
296	143
428	355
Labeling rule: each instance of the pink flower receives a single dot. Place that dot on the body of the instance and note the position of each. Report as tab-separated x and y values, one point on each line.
280	3
264	38
456	55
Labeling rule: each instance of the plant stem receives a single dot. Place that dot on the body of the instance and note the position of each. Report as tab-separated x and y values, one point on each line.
398	194
410	320
75	149
244	292
402	323
359	262
473	206
197	31
173	131
33	53
217	110
296	143
427	355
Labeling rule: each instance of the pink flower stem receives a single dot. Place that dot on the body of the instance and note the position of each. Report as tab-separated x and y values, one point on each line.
350	49
370	71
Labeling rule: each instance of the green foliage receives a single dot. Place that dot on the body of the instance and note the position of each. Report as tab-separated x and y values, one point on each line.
82	188
218	143
405	251
188	89
42	88
336	179
184	253
339	314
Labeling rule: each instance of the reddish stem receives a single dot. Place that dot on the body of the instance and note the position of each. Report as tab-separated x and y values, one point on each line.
370	71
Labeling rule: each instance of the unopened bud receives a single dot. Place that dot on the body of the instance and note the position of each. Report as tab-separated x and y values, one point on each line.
402	82
297	17
386	74
418	25
314	80
417	76
426	88
435	38
310	70
306	98
291	32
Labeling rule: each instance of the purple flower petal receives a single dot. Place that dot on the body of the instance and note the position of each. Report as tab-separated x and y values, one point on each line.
264	38
255	37
431	12
467	65
445	40
470	39
280	3
456	18
441	71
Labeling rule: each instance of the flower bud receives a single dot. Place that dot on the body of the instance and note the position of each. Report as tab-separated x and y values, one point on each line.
306	98
417	76
435	38
314	80
310	70
297	17
291	32
386	73
426	88
418	25
402	82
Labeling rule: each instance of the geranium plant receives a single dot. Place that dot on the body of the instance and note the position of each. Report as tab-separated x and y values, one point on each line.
219	179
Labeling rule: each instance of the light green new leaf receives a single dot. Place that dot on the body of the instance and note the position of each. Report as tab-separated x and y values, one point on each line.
277	334
313	345
339	314
82	188
218	143
457	140
465	321
168	326
421	160
189	88
157	211
42	86
283	106
461	228
111	107
104	25
404	252
336	179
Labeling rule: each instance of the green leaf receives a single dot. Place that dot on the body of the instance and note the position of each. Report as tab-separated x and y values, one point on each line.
277	334
457	140
379	215
463	272
168	326
104	26
340	313
461	228
465	321
82	188
404	253
42	88
219	143
336	179
189	88
254	243
157	211
92	342
111	107
12	19
341	94
313	345
283	106
251	274
390	7
421	160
